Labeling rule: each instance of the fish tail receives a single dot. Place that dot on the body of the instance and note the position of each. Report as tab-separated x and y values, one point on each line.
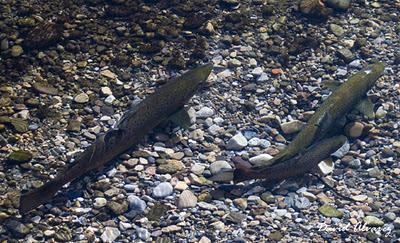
37	197
243	170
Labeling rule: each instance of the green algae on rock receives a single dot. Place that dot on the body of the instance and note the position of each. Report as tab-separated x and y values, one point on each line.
330	211
20	156
18	124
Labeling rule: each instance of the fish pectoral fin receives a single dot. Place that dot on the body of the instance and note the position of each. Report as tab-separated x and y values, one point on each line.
112	136
324	124
181	118
366	107
122	123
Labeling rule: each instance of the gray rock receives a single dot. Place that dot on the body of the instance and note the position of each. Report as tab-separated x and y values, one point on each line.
396	223
340	5
390	216
254	142
355	164
280	212
225	74
341	72
250	87
345	54
293	200
187	200
326	167
74	126
342	151
360	198
136	204
143	233
263	77
214	129
198	169
236	217
301	203
130	187
45	88
81	98
4	44
163	189
217	166
235	63
375	173
100	202
292	126
264	143
17	229
237	142
257	71
336	29
261	159
356	64
207	206
110	234
204	112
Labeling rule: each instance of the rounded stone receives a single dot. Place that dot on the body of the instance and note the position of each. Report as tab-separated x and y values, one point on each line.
292	126
16	51
354	129
137	204
217	166
81	98
100	202
237	142
261	159
187	200
204	112
110	234
163	189
340	5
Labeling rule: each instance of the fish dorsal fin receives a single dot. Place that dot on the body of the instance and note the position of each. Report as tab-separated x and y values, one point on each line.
324	123
181	118
132	111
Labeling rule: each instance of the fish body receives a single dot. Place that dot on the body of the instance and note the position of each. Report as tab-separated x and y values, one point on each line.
336	106
131	129
295	166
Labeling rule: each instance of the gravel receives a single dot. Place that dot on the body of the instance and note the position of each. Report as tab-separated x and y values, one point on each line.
67	74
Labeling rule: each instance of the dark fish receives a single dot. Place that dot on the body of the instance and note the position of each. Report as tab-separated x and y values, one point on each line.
338	104
133	126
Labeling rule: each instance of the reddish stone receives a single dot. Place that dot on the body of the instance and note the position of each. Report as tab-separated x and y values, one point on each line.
276	71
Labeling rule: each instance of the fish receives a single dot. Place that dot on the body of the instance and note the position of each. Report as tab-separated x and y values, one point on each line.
345	98
296	166
320	126
139	120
